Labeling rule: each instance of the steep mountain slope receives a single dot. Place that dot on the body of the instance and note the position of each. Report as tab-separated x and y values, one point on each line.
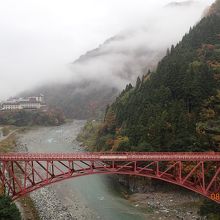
124	57
84	99
99	75
177	107
214	9
103	73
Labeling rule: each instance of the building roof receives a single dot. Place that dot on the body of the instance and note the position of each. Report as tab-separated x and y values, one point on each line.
10	103
28	100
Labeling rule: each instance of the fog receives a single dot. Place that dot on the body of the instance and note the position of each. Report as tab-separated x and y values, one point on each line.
40	40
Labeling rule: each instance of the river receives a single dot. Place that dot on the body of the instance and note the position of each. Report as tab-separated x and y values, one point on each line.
88	197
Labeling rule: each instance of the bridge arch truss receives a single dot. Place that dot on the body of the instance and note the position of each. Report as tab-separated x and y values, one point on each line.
22	173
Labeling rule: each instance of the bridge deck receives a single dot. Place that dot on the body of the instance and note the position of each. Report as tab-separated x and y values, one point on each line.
140	156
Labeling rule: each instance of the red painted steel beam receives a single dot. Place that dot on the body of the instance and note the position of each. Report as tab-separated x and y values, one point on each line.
189	170
137	156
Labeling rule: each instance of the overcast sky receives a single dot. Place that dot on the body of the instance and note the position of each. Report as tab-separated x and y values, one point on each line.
39	38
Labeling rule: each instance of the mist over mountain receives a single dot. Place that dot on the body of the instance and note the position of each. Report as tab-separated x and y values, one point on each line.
177	107
120	59
100	74
180	4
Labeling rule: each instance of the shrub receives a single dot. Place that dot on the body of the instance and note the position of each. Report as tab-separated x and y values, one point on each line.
8	210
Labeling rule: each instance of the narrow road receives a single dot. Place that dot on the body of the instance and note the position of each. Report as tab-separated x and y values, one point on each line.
10	133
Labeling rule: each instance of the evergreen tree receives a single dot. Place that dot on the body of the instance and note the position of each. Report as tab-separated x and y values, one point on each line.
166	109
8	210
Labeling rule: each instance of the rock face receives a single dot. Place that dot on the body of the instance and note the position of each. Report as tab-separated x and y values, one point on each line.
162	200
136	184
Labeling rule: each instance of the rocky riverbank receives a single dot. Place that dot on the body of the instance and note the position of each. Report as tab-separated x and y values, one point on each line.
167	205
161	200
45	202
50	207
25	205
91	200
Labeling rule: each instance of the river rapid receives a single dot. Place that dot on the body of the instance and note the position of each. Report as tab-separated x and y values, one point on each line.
84	198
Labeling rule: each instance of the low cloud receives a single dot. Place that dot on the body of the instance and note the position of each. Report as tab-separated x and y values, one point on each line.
122	58
35	49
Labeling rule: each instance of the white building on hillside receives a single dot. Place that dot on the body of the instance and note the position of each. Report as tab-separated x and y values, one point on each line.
35	102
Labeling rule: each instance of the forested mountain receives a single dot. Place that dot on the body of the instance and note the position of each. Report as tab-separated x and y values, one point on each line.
215	8
99	75
85	99
103	72
176	107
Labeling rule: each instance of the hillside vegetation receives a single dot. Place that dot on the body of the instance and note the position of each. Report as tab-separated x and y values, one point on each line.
98	76
80	100
175	108
30	118
8	210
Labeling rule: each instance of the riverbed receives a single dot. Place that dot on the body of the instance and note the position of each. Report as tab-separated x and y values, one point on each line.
84	198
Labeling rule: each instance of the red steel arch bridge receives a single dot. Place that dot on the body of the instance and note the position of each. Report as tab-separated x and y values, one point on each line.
22	173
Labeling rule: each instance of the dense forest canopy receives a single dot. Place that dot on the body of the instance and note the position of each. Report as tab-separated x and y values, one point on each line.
30	118
175	108
8	209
